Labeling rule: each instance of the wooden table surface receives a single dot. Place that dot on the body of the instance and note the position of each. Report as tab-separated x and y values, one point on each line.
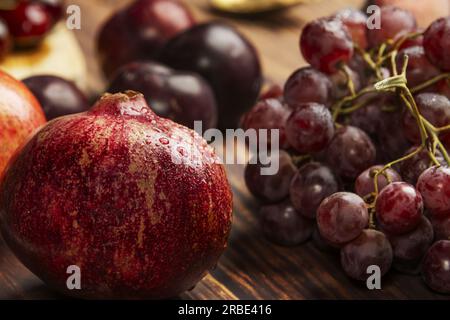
251	268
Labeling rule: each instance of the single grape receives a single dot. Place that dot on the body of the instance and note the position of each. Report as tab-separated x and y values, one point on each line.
325	43
350	152
311	184
436	43
307	85
270	188
342	217
441	228
419	67
412	168
364	184
268	114
391	136
413	245
356	23
339	80
434	185
395	22
415	41
367	118
436	267
370	248
399	208
309	128
433	107
283	225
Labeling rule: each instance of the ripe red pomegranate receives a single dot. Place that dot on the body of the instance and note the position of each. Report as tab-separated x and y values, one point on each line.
102	190
20	114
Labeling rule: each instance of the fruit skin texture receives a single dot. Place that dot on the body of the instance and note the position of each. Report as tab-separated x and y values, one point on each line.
436	267
311	184
434	186
180	96
140	31
58	96
20	115
101	190
370	248
307	85
325	43
350	152
395	22
309	128
226	59
399	208
364	184
28	23
413	245
436	43
342	217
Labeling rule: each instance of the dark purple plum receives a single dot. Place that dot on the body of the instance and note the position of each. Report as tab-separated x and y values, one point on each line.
57	96
225	58
183	97
140	31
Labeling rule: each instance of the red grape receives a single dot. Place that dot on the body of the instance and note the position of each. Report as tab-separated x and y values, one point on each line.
270	188
367	118
399	208
309	128
342	217
436	267
284	226
395	22
434	185
340	80
413	167
310	185
419	68
325	43
437	44
356	23
350	152
274	91
441	228
433	107
364	184
307	85
413	245
268	114
370	248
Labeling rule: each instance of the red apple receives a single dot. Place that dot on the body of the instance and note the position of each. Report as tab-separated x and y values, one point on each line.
139	203
20	114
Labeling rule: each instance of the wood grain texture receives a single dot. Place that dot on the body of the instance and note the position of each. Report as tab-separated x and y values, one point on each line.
251	267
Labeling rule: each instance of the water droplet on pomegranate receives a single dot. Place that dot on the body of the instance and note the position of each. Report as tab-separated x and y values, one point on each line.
164	141
182	151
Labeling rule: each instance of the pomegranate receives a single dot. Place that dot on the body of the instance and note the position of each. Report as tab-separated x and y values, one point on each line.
20	114
138	203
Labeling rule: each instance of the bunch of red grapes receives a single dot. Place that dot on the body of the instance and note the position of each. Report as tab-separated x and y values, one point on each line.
25	23
364	131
